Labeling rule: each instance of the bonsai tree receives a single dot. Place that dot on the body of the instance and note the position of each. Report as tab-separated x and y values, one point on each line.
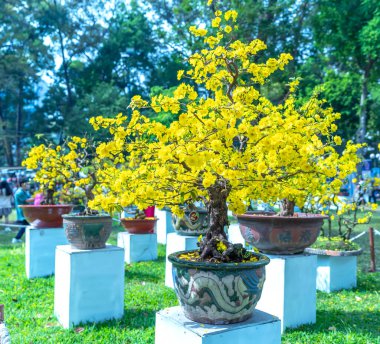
230	143
346	213
71	165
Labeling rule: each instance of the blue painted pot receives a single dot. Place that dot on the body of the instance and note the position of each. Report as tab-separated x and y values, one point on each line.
218	293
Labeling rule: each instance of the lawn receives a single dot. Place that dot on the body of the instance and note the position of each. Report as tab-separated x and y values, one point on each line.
345	317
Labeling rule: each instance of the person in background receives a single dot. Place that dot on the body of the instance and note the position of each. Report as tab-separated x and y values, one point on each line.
6	195
22	196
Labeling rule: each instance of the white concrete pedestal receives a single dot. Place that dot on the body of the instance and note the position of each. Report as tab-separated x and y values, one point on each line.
138	247
175	243
40	250
89	285
234	234
289	290
172	327
164	225
336	273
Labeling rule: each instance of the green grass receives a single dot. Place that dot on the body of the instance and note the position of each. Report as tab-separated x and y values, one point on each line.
344	317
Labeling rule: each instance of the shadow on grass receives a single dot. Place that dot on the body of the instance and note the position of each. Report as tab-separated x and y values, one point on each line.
368	282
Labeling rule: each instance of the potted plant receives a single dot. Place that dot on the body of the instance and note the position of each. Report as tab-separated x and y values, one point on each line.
310	167
74	164
46	212
139	223
229	145
337	254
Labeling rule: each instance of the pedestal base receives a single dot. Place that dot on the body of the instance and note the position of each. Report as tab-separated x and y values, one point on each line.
336	273
175	243
40	247
172	327
138	247
289	290
164	225
234	235
89	285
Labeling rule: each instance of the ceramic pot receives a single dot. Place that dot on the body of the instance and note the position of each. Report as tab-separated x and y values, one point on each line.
333	253
218	293
45	216
273	234
194	222
87	232
138	226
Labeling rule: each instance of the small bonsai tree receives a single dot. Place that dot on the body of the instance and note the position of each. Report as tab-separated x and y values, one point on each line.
347	213
229	145
72	165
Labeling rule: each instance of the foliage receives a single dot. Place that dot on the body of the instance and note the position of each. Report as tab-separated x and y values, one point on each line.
71	165
230	145
335	244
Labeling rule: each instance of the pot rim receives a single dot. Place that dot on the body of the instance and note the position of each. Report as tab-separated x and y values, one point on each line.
333	253
76	216
125	219
265	215
173	258
46	206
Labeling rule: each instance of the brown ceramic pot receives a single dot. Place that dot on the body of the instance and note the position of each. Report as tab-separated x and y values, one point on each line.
273	234
45	216
87	232
139	226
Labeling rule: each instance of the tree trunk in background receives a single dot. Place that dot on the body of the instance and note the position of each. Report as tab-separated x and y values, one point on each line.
4	136
19	123
363	109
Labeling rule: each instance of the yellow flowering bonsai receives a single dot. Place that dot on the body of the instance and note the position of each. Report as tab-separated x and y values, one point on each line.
71	165
230	144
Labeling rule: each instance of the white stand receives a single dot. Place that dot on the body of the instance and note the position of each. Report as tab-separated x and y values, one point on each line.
138	247
172	327
289	290
40	250
164	225
89	285
234	234
175	243
336	273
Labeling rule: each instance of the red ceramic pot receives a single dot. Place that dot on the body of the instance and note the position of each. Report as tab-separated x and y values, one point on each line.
46	216
273	234
138	226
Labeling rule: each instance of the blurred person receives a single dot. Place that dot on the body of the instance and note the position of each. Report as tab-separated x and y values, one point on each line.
22	197
6	196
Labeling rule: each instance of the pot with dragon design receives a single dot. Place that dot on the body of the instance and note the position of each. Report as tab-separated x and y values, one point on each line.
194	222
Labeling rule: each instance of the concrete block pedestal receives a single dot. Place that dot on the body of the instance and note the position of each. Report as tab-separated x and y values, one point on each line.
175	243
138	247
164	225
172	327
289	290
89	285
336	273
40	244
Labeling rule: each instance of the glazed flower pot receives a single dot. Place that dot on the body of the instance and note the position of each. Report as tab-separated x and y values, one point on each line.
218	293
46	216
193	223
139	226
87	232
273	234
149	212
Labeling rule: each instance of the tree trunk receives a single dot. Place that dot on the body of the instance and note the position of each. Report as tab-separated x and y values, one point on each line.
3	134
287	207
218	219
19	123
361	133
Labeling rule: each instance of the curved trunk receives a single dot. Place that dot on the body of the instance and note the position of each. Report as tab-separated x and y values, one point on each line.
218	217
287	207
